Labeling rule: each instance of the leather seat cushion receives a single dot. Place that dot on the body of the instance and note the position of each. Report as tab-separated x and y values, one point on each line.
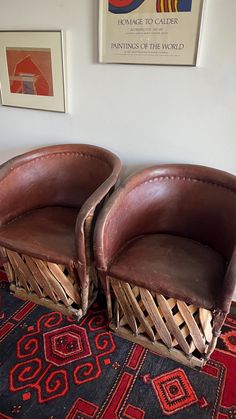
173	266
45	233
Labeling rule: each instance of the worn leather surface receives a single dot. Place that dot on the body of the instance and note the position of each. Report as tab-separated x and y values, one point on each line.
194	202
48	232
76	177
173	266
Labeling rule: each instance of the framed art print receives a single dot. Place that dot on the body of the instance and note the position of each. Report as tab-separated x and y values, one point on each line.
149	31
31	70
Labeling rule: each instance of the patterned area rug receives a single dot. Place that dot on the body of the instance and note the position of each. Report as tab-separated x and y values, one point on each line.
52	367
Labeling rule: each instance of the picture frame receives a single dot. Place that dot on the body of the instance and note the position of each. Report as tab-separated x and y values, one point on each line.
32	70
163	32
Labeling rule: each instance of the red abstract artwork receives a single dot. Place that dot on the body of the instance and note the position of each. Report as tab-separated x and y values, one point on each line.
30	71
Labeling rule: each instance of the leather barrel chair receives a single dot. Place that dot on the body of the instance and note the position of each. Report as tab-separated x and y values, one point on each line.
49	201
165	249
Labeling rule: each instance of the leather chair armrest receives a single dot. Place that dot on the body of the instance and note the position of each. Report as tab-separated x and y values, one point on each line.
88	210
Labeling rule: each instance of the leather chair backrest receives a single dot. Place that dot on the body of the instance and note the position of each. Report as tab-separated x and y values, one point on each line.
191	201
64	175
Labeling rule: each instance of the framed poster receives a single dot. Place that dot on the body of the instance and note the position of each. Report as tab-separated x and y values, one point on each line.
149	31
31	70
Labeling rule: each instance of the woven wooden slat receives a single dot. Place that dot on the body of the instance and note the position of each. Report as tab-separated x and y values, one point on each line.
70	288
157	319
55	286
184	329
36	273
192	325
21	270
186	334
205	317
50	284
124	303
171	302
136	309
171	322
123	321
147	321
135	291
31	280
177	318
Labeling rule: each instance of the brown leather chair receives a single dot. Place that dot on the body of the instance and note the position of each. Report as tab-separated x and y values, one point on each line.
49	200
165	243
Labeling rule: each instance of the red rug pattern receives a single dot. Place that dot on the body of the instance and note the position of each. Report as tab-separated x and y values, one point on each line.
52	367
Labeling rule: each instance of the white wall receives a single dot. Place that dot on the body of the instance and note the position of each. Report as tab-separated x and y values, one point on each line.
146	114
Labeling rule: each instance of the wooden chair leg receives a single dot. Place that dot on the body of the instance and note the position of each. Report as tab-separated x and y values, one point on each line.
218	321
84	299
108	298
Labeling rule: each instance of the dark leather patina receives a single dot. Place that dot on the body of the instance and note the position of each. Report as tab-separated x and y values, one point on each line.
172	229
46	196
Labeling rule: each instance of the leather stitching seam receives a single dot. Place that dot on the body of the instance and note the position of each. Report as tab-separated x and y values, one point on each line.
186	179
57	155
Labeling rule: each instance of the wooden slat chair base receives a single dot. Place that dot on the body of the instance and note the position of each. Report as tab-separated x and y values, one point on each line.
167	326
45	283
